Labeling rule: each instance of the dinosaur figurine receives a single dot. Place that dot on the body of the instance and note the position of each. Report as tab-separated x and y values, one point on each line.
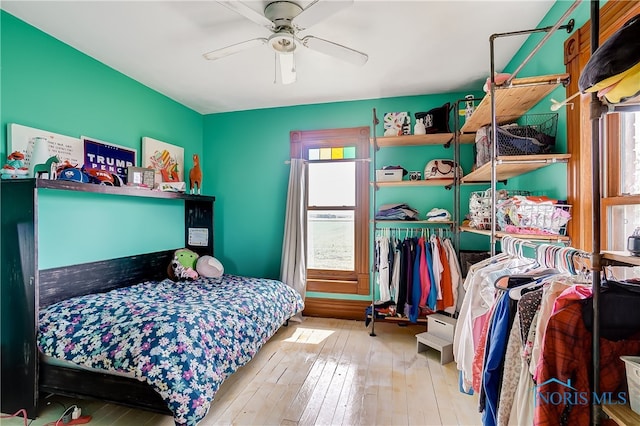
195	175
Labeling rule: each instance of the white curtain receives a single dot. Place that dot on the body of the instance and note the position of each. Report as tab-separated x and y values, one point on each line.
293	270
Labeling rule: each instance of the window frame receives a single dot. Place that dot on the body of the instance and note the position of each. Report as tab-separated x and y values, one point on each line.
577	51
612	194
332	281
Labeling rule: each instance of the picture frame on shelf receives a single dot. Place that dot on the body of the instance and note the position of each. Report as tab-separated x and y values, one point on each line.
107	156
22	139
166	159
141	177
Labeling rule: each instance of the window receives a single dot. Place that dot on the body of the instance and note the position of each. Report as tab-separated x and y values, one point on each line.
337	208
621	201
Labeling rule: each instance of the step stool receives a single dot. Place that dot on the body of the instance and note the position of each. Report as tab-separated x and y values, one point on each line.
430	340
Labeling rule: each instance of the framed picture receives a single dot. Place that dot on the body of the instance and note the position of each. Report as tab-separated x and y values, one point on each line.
397	123
139	176
21	138
166	159
107	156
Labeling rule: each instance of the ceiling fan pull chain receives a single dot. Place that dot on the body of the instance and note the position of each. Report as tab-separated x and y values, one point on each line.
293	62
275	68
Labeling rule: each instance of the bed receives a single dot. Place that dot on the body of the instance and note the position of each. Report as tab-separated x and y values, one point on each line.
156	344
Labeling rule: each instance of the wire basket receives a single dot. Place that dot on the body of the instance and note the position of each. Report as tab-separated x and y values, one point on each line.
529	134
480	206
520	215
526	135
518	212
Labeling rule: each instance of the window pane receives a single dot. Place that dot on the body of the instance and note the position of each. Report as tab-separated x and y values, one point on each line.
349	152
337	153
325	153
623	220
330	240
314	154
332	184
630	150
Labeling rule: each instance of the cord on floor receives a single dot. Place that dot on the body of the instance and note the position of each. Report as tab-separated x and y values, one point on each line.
21	412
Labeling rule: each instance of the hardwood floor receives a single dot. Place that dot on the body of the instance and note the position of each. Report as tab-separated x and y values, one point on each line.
320	372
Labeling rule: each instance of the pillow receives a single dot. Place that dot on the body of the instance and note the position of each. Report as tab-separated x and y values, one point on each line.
436	120
209	266
614	68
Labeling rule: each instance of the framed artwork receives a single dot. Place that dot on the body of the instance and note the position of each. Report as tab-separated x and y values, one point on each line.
397	123
109	157
166	159
21	138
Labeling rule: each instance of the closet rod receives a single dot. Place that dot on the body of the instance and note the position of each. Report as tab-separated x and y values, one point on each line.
366	160
550	30
536	244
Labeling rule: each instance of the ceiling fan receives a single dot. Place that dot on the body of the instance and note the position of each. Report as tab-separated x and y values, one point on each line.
285	19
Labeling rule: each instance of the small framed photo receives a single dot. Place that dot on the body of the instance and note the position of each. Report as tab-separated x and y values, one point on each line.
140	176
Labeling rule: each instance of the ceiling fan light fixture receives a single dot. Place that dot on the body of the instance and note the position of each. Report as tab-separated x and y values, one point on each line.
282	42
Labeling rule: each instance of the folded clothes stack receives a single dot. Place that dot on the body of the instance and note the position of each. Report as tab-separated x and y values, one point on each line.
438	215
397	211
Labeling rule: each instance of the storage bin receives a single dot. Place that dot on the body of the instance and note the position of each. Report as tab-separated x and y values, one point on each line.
441	326
632	368
390	175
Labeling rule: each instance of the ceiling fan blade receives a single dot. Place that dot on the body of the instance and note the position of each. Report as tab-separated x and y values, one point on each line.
317	11
248	13
287	68
336	50
234	48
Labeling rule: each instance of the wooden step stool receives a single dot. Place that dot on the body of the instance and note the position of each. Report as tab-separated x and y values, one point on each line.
439	336
426	339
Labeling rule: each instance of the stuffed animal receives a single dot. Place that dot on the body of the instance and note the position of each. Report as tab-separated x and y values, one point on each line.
183	265
209	266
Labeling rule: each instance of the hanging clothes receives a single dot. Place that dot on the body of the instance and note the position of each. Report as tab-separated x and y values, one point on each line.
382	248
395	274
456	278
425	280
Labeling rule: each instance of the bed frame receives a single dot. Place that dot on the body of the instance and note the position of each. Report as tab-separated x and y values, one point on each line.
25	380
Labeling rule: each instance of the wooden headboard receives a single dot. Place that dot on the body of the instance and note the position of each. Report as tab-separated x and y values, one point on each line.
61	283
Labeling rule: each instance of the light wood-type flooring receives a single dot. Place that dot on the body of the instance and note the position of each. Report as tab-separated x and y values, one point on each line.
320	372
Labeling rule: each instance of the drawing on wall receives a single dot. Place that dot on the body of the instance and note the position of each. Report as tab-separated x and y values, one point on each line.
21	138
107	156
166	159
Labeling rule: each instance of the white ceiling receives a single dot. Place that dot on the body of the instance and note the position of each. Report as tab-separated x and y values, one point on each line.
414	47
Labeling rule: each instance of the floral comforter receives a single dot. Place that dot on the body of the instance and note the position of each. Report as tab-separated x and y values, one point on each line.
182	338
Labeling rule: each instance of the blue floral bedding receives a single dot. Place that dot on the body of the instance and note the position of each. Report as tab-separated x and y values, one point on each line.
182	338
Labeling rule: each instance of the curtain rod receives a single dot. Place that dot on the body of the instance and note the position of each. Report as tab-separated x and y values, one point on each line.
366	160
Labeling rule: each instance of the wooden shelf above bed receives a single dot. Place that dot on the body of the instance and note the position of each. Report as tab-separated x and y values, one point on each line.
114	190
513	101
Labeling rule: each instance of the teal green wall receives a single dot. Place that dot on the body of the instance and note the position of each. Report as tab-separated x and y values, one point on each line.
48	85
249	176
